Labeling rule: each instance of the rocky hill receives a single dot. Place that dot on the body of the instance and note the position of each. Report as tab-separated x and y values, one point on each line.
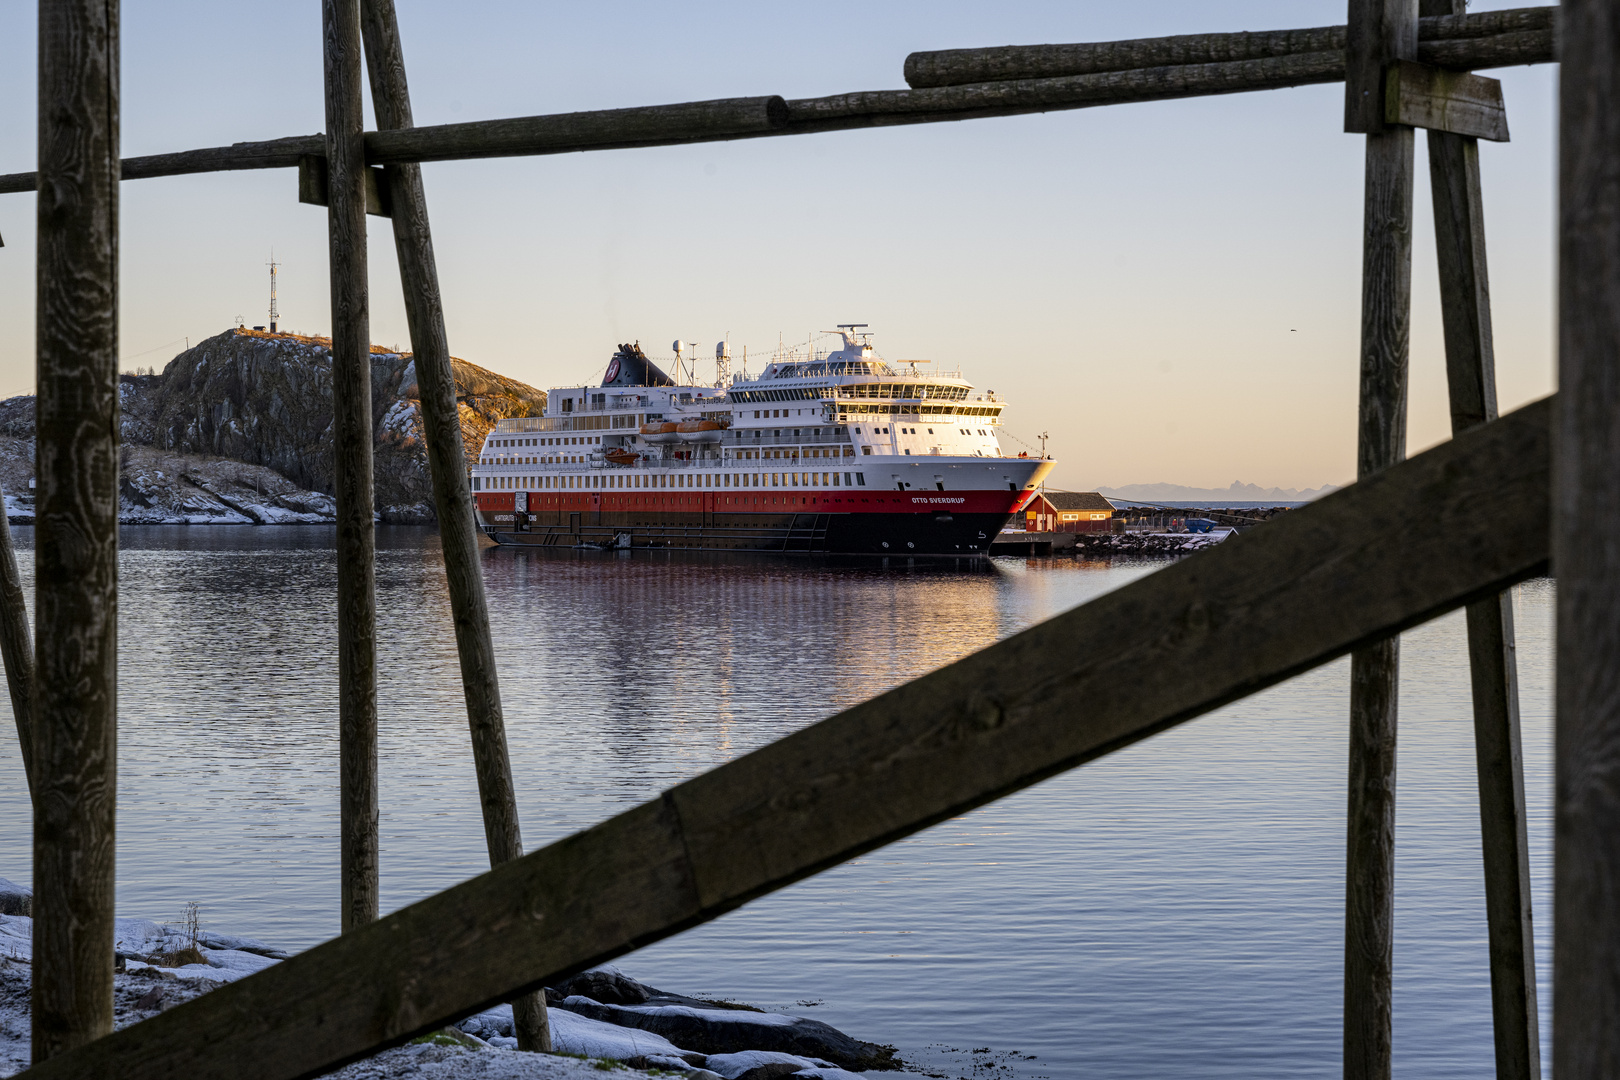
239	427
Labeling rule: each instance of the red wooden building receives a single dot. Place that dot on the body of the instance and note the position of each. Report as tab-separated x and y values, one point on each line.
1069	511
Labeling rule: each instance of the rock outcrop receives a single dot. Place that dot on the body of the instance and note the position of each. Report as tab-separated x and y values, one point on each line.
264	400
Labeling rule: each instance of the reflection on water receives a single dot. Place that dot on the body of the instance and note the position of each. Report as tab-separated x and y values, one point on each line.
1172	909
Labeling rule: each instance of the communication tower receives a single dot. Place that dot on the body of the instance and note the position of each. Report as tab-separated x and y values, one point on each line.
274	315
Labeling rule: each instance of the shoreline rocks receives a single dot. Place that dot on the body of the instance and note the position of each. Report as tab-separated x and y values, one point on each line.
1096	545
638	1030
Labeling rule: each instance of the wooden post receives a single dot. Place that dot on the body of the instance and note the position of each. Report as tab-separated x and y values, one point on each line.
76	525
441	421
17	647
1459	228
1586	501
351	407
1380	32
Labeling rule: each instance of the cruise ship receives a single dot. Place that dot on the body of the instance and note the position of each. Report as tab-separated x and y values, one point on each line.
823	452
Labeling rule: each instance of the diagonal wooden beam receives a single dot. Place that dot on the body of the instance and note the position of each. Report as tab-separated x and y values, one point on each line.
17	648
1465	304
447	461
1457	523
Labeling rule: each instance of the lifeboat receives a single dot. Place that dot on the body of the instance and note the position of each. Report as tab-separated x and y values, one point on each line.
620	457
657	432
701	431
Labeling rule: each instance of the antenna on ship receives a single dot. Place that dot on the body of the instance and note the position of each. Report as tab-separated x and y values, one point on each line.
274	315
722	361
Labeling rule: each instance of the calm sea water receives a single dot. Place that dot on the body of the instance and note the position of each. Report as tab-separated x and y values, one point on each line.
1172	910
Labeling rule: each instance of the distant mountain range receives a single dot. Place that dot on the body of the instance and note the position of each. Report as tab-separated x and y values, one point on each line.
1238	492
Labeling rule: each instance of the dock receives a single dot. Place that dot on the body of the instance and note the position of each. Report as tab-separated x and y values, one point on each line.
1019	542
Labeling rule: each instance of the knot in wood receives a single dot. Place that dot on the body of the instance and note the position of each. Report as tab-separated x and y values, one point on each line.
1197	616
984	713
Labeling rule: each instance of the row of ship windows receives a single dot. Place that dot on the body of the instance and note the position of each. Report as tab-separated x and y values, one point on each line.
609	481
578	440
900	391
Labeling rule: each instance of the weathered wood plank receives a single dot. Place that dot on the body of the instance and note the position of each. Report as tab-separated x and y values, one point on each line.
452	497
885	108
1586	870
313	182
17	648
1500	50
351	407
956	67
1504	838
1378	33
689	121
1369	893
1459	522
1381	32
1459	226
838	112
1427	97
76	525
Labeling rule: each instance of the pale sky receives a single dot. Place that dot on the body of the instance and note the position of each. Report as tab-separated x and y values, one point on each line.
1171	289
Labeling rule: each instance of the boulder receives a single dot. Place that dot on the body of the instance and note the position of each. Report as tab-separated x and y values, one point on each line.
605	985
16	899
716	1030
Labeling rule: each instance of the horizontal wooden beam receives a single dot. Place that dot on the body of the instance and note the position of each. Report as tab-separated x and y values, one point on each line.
1418	95
1443	35
1457	523
752	118
561	133
693	121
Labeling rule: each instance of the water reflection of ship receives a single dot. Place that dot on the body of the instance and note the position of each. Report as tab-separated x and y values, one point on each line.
822	452
722	664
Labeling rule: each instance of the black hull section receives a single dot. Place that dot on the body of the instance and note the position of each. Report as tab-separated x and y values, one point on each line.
807	533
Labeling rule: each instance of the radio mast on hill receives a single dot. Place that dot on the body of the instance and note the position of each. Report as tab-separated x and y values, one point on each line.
273	314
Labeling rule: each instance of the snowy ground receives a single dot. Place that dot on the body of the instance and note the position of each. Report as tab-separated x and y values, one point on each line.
166	965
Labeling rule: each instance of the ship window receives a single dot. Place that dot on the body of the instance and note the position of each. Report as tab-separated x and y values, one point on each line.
866	450
860	479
